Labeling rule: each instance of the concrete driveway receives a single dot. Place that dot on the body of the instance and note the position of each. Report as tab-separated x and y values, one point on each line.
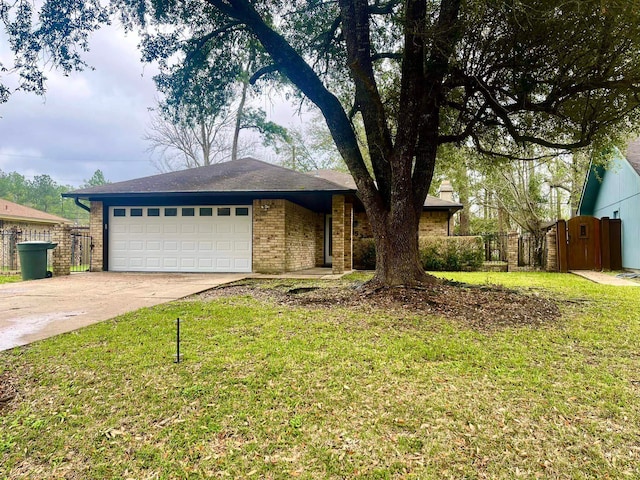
38	309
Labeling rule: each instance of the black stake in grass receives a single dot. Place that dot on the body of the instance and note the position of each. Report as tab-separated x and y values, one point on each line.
177	360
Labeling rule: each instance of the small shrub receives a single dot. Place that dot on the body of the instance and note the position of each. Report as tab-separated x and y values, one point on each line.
451	253
367	257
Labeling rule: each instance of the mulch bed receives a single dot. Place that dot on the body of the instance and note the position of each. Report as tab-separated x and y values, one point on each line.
480	307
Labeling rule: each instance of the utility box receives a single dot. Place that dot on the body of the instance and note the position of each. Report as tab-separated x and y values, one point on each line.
33	259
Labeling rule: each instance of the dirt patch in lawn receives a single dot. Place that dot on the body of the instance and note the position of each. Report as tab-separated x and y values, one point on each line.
7	390
481	307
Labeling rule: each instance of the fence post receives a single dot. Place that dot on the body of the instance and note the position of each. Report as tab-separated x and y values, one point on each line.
61	234
552	250
561	242
512	251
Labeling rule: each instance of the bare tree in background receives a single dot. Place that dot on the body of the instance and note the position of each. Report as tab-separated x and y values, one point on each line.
176	145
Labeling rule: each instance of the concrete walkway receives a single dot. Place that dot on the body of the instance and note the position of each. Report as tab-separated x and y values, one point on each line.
605	278
39	309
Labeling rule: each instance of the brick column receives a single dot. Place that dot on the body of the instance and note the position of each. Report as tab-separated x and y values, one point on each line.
269	242
552	250
337	225
512	251
96	230
348	236
61	234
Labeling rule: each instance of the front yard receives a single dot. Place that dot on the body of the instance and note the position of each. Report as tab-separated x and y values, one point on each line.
277	383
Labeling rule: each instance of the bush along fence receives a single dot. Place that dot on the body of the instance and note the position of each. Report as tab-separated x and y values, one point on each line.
492	251
73	252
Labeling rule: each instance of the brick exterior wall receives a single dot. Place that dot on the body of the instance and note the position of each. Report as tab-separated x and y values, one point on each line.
434	224
269	245
96	230
300	237
285	237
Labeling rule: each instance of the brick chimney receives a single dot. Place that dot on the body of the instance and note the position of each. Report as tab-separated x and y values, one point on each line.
446	191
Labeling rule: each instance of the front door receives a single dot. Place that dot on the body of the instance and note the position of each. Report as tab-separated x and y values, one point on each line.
328	240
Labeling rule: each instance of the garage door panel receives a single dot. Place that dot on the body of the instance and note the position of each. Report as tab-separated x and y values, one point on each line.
153	262
170	246
205	264
242	228
203	242
205	246
241	264
188	246
223	246
223	263
242	246
153	245
136	262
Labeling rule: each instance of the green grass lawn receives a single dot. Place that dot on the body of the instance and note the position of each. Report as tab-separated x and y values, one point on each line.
270	391
9	279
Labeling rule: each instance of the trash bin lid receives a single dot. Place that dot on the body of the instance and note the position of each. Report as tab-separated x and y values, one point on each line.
36	245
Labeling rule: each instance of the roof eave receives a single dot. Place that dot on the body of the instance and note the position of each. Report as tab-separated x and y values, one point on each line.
252	193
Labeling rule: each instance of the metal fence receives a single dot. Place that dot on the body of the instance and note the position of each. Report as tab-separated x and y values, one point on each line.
532	250
81	250
495	246
9	240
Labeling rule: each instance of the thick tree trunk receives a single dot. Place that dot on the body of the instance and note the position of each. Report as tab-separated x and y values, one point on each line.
395	236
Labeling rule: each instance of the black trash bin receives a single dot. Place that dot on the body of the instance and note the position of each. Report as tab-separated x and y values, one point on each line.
33	259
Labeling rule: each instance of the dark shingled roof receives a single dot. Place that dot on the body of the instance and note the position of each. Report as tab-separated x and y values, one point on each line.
345	179
239	176
633	155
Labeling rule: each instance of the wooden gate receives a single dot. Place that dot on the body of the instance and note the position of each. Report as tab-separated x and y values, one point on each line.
589	243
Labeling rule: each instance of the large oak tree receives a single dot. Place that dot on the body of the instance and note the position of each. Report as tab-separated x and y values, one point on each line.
415	74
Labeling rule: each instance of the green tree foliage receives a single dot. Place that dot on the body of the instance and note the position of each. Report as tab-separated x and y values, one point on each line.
42	193
96	179
308	148
498	75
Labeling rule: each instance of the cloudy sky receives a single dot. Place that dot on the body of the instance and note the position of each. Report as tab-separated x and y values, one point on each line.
90	120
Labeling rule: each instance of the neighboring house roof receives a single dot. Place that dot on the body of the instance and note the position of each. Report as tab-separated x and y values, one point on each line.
345	179
633	155
246	175
15	212
596	173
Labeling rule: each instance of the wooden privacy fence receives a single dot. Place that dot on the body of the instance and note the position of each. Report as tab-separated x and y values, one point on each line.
589	243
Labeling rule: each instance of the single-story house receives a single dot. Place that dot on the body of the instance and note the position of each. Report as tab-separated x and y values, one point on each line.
614	192
20	223
240	216
14	215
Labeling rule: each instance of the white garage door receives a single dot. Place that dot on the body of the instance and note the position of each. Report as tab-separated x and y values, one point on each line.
180	239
